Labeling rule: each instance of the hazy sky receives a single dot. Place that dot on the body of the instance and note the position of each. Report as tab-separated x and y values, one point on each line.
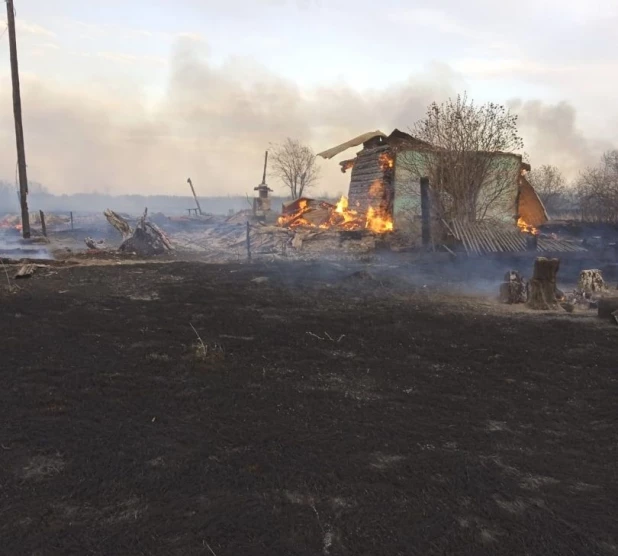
137	96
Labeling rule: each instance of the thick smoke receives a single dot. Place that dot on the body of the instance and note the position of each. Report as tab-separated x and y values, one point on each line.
551	136
213	123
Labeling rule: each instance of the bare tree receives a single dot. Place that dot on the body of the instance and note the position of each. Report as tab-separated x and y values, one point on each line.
597	190
295	165
467	157
551	187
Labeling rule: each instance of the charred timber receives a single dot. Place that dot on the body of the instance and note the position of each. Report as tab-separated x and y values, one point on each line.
25	271
514	289
532	242
591	282
371	168
346	165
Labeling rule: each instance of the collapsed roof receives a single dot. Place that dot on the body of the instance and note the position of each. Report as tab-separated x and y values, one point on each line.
330	153
397	139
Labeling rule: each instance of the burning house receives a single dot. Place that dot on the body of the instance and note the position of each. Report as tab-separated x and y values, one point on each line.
369	204
381	178
374	170
382	182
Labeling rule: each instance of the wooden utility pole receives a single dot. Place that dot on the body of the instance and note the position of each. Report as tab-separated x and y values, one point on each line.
19	129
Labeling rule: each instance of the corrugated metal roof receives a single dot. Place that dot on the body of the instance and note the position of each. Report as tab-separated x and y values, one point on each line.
480	238
330	153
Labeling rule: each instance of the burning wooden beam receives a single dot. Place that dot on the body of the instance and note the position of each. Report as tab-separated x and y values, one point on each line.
346	165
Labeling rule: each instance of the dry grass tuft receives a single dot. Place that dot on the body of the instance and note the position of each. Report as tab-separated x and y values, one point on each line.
212	352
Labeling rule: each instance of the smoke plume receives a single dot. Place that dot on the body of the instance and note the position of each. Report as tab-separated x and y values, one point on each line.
213	122
551	136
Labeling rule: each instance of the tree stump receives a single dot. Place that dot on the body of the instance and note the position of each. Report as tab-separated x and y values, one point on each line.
514	288
591	282
542	286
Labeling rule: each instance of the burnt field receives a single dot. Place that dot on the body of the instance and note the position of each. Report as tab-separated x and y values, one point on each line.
321	411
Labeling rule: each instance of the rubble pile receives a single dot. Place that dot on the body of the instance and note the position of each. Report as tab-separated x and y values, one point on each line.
146	239
311	213
591	291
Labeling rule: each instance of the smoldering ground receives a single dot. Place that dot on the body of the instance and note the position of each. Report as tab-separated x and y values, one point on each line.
386	273
327	421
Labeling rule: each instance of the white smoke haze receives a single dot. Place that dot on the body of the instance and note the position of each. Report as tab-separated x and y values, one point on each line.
214	121
552	137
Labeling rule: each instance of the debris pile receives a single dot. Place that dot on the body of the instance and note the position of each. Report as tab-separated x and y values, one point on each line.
514	289
542	293
311	213
95	245
146	239
488	236
591	288
591	282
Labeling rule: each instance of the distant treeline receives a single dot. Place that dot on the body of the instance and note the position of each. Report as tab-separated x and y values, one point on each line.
40	199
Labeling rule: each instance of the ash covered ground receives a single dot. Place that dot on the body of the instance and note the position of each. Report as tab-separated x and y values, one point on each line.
324	409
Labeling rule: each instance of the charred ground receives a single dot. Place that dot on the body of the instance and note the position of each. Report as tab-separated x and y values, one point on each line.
326	411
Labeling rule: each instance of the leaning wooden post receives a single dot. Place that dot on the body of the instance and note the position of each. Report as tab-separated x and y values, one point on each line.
542	286
43	226
71	220
425	212
248	241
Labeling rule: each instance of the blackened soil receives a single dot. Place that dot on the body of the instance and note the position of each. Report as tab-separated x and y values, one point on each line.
316	414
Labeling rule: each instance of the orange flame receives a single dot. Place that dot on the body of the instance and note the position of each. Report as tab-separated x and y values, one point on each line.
295	219
340	217
376	189
526	228
377	222
342	205
11	222
386	161
350	217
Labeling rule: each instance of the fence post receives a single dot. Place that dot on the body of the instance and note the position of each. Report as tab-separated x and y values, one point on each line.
248	241
425	212
43	226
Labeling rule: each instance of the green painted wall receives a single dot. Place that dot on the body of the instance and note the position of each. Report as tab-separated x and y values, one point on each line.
407	203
